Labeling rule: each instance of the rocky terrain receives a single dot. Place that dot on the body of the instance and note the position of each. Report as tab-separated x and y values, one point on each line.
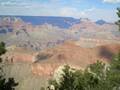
72	54
89	29
47	31
14	31
38	46
31	68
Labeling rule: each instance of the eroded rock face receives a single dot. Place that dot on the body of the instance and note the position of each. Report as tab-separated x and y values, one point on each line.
15	54
44	69
92	43
68	53
18	57
73	55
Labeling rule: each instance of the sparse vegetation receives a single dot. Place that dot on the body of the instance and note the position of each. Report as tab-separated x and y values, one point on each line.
96	76
2	48
5	84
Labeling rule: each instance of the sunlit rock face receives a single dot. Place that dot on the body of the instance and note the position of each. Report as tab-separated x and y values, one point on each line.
18	57
44	69
71	54
38	33
15	31
32	73
48	46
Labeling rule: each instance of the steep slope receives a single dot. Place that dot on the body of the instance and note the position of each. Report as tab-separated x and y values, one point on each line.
71	54
45	62
44	36
16	31
23	32
25	78
40	66
88	29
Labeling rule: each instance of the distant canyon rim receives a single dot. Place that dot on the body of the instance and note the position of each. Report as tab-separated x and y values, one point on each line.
49	42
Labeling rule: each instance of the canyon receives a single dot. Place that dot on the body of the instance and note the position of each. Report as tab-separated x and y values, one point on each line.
38	46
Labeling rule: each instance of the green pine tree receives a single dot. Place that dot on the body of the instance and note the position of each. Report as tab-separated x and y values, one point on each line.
118	13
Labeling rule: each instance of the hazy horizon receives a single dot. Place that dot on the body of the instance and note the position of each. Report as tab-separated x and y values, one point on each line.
94	10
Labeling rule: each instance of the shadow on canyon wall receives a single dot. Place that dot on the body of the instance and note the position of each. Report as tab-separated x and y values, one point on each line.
106	53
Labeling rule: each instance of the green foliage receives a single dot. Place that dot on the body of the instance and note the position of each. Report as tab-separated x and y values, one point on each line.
97	76
79	80
5	84
2	48
115	64
54	82
67	80
114	72
118	13
98	69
